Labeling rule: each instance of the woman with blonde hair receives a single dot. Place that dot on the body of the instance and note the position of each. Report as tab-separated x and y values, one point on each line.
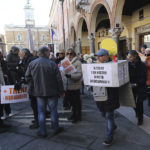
73	85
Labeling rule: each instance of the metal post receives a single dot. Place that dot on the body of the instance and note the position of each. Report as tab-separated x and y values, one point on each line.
62	2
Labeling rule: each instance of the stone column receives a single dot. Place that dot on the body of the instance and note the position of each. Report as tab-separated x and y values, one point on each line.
79	48
116	32
129	43
92	43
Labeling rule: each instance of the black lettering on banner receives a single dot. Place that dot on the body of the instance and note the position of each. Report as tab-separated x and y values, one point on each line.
99	81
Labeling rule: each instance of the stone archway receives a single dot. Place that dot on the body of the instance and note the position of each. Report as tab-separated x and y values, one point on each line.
94	11
73	38
82	35
100	23
117	12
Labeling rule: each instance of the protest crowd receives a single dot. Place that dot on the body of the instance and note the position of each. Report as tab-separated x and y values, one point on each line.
50	77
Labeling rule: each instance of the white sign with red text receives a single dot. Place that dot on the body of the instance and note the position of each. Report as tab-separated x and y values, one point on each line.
68	68
10	95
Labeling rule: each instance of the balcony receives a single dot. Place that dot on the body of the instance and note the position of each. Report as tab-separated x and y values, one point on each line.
83	5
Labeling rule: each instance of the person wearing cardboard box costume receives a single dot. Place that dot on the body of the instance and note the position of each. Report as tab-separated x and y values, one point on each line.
107	100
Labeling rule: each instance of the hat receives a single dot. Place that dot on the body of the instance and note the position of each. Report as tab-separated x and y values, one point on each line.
147	49
102	52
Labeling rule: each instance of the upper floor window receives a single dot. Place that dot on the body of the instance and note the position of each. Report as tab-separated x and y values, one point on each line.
43	38
19	37
141	14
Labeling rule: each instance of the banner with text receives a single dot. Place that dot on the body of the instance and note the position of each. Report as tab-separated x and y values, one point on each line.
110	74
9	95
97	75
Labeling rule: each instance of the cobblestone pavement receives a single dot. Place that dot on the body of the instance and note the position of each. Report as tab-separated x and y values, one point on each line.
85	135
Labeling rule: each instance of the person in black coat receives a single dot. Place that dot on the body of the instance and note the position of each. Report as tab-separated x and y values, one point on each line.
26	58
138	78
6	75
12	62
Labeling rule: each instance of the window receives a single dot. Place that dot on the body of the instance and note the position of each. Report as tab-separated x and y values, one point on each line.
43	38
141	14
18	37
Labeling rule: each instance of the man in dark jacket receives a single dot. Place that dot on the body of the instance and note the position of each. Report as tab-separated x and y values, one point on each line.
48	85
108	103
138	78
12	62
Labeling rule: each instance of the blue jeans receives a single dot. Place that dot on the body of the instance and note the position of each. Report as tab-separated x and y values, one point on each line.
52	104
110	123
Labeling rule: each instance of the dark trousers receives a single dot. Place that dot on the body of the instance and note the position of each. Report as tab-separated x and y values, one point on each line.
139	105
75	101
34	107
5	107
148	99
1	122
66	101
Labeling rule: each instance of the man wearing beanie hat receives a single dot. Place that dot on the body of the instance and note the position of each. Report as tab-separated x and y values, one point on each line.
108	102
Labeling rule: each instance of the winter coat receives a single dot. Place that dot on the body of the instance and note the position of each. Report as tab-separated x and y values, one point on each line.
75	82
5	71
2	82
47	81
24	64
12	61
138	76
112	102
148	70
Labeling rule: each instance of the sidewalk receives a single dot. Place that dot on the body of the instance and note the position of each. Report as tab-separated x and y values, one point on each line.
86	135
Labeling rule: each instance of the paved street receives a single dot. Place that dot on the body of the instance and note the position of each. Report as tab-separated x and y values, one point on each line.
86	135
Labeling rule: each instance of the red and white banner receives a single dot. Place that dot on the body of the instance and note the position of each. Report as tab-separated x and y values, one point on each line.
10	95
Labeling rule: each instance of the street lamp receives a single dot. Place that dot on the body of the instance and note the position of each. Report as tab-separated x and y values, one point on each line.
63	29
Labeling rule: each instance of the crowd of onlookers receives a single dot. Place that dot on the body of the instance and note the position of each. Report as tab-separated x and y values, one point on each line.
41	70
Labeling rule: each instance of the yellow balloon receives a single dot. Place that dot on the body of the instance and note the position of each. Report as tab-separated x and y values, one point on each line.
110	45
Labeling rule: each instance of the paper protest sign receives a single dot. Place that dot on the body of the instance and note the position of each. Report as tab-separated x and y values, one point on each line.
9	95
68	68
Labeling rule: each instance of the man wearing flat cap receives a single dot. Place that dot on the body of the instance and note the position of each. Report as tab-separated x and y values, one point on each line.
107	102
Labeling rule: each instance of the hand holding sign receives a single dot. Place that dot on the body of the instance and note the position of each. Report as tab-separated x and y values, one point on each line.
67	66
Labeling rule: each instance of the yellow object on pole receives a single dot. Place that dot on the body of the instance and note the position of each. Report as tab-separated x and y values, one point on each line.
110	45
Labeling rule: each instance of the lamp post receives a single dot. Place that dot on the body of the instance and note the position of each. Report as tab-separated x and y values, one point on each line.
63	29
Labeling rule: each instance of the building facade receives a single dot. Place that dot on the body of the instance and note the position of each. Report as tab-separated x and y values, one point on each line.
88	22
18	36
28	35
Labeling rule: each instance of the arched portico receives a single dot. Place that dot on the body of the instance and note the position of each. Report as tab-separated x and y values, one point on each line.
82	35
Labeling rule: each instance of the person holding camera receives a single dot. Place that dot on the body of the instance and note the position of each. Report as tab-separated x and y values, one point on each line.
26	57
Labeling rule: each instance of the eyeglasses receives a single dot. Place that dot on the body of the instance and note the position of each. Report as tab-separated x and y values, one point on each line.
70	54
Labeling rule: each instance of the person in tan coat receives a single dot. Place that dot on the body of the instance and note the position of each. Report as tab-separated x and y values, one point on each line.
73	84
